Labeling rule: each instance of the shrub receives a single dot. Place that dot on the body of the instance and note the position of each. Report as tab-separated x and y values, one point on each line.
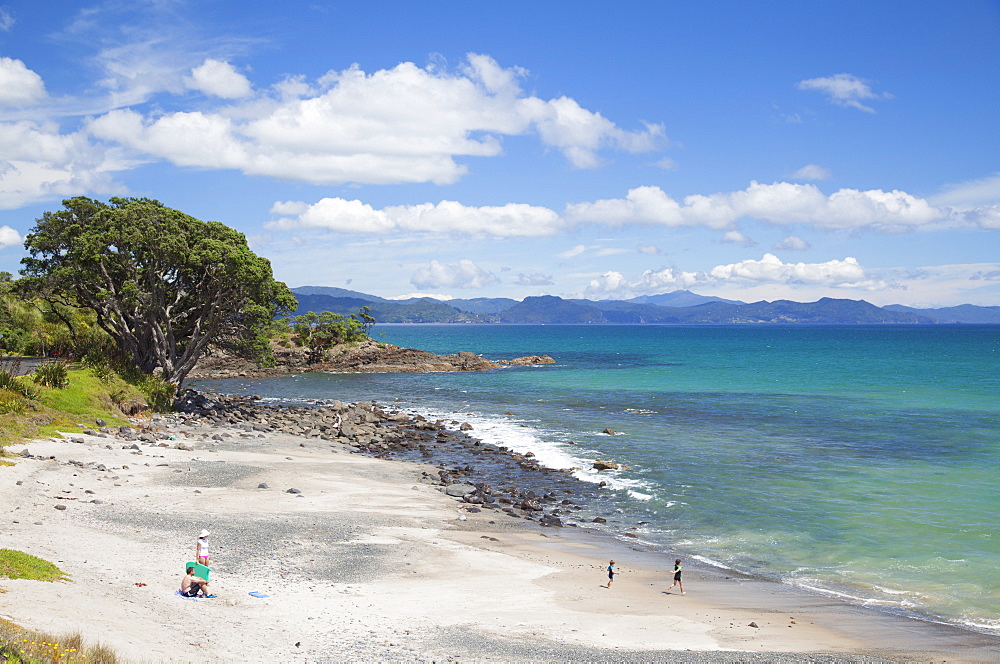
13	405
15	384
99	365
52	374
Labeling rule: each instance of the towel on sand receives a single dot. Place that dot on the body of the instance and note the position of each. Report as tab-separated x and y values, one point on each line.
183	596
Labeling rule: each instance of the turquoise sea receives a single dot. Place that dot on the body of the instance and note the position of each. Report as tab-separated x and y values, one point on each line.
861	461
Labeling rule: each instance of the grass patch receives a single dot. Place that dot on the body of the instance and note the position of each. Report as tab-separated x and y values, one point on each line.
21	646
84	398
87	396
20	565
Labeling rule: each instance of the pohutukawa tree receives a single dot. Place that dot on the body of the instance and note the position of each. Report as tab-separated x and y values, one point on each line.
163	284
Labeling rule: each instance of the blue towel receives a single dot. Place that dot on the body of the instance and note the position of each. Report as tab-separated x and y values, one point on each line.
183	596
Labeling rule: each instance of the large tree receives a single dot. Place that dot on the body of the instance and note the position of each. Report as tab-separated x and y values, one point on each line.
163	284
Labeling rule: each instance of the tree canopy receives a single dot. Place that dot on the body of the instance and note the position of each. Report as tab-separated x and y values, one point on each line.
163	284
322	330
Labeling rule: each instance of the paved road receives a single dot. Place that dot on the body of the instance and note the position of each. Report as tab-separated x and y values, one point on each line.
20	366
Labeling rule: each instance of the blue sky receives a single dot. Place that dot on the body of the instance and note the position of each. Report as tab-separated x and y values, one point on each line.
751	151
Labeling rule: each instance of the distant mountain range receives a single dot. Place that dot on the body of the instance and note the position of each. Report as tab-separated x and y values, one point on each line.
677	308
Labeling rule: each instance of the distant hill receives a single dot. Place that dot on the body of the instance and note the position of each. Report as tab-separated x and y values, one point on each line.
963	313
680	298
424	310
676	308
340	305
551	309
332	291
483	305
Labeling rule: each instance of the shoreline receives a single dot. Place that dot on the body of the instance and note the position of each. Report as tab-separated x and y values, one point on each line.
372	561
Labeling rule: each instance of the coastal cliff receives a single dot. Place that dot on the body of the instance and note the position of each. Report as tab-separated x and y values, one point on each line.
364	357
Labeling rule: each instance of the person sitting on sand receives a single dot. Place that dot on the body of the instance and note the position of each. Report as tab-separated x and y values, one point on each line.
191	585
201	554
677	576
611	572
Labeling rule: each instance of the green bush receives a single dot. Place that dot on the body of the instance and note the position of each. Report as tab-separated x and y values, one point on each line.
52	374
15	384
13	405
158	392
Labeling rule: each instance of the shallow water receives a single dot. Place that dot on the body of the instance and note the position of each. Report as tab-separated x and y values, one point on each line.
858	461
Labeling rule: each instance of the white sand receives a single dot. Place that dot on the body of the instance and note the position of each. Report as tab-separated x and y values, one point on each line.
370	564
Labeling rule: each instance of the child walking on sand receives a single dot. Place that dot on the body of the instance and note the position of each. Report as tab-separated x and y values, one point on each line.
677	577
611	572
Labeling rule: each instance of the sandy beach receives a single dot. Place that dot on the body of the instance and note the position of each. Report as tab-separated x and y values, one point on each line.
368	561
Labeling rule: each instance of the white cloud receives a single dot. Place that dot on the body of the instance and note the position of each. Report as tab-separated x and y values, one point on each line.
9	237
781	203
778	203
574	251
650	249
401	125
38	163
842	274
846	273
219	79
611	251
844	90
614	284
643	205
736	237
534	279
812	172
579	133
792	243
986	217
463	274
972	193
6	20
19	86
410	296
353	216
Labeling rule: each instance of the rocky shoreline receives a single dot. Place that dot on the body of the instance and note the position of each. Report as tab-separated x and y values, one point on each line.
365	357
482	475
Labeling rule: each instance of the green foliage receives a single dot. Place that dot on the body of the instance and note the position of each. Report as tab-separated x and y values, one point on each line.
19	565
162	284
12	403
52	374
17	384
320	331
117	373
158	392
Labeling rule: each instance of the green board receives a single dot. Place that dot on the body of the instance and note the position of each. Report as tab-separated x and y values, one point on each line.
199	569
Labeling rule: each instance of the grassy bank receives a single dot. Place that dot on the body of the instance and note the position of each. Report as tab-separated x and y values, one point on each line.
31	406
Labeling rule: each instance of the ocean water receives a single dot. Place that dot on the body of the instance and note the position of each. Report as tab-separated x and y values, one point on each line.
862	462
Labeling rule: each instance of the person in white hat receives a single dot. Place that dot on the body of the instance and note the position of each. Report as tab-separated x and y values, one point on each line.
201	553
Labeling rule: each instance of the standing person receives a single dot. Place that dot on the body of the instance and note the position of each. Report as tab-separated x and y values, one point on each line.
677	577
611	572
201	552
